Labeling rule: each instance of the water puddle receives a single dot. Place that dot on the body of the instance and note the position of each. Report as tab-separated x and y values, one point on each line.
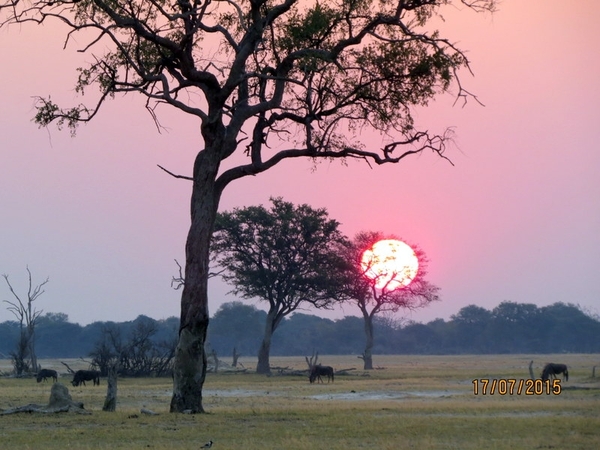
389	395
354	396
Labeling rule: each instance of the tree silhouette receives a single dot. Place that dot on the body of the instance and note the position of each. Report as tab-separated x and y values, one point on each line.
271	79
28	316
283	256
372	300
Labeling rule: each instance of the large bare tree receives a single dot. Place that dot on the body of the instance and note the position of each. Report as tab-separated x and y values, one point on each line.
27	315
271	79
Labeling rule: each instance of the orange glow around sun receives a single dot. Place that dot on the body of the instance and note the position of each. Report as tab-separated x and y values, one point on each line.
390	263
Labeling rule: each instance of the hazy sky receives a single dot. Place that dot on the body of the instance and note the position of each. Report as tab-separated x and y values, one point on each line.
516	219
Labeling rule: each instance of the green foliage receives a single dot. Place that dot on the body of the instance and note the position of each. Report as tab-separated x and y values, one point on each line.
338	65
284	255
312	29
399	75
49	112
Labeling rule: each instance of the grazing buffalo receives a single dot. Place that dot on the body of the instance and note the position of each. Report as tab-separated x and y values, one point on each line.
553	369
318	370
45	374
81	376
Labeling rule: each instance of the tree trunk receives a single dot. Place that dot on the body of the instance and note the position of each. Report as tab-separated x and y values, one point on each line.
189	364
264	366
110	403
531	375
31	346
32	355
236	355
368	353
19	357
216	360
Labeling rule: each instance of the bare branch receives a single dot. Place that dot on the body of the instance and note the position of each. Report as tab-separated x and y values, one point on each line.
174	175
178	282
17	308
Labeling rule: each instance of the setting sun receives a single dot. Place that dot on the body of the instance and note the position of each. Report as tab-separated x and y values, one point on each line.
390	263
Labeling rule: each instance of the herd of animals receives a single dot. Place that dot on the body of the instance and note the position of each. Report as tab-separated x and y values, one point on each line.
551	370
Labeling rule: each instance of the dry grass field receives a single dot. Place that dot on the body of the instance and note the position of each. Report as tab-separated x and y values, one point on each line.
420	402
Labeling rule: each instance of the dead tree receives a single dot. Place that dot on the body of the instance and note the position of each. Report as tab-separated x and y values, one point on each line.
312	362
28	316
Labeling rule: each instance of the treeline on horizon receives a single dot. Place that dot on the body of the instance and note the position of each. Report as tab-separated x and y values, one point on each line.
508	328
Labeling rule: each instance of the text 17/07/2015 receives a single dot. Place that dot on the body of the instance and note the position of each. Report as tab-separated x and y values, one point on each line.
513	386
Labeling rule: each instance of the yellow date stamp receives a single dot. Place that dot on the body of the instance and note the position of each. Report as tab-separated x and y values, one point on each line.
514	386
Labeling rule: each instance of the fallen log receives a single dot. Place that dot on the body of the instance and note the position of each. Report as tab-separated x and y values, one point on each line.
60	401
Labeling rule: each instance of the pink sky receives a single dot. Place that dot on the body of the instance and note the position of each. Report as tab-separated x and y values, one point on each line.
516	219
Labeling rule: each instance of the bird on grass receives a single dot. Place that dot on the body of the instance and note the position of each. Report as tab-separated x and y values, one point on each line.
207	445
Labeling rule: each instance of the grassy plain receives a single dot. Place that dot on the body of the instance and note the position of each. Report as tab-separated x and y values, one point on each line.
421	402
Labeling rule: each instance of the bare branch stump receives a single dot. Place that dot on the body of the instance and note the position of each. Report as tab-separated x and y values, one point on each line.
236	355
531	375
68	368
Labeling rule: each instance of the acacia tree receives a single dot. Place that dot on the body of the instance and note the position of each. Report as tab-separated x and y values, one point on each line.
371	299
274	79
28	315
283	255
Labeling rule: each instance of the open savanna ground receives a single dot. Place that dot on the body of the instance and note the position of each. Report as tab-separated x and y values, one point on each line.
421	402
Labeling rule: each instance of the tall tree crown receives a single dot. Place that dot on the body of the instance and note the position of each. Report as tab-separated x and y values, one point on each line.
259	73
363	289
284	255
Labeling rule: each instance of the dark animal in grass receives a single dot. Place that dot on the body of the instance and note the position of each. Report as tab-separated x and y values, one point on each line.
81	376
318	371
44	374
551	370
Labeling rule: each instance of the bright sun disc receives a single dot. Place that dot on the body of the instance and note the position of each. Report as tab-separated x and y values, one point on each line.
390	263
